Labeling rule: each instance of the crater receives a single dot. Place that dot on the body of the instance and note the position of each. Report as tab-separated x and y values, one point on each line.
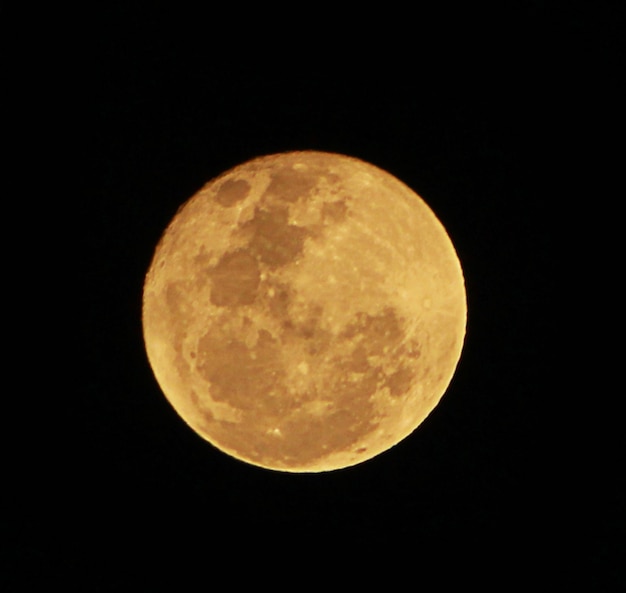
278	303
309	438
232	191
289	184
400	382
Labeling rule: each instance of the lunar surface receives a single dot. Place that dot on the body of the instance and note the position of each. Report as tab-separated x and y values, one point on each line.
304	311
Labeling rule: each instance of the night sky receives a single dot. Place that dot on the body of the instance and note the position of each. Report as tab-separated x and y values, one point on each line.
473	110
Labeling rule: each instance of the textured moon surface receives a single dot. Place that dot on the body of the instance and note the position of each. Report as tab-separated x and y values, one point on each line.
304	311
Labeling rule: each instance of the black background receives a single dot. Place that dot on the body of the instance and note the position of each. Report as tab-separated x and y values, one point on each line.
484	112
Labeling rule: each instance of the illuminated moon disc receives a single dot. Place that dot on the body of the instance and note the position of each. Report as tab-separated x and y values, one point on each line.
304	311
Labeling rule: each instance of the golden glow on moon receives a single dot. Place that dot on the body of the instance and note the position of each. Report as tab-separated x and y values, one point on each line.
304	311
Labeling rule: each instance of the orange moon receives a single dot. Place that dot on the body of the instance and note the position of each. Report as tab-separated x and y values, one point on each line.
304	311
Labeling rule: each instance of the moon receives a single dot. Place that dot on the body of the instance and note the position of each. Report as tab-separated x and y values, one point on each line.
304	311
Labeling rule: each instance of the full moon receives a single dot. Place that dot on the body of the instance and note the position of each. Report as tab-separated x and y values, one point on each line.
304	311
